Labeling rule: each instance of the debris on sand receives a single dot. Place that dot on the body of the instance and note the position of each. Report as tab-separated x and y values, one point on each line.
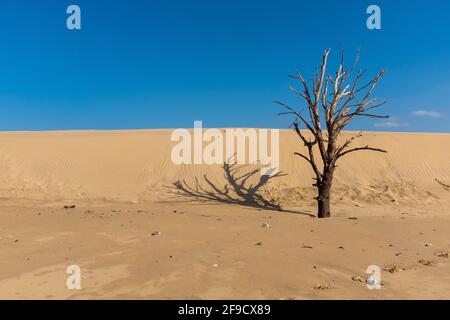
265	225
322	287
259	244
394	268
156	233
358	279
352	218
428	244
304	246
443	184
443	254
70	206
215	265
426	262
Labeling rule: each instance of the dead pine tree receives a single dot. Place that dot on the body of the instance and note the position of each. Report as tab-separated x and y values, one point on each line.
337	100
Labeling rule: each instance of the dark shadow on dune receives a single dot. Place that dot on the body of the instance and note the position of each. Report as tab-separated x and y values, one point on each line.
237	190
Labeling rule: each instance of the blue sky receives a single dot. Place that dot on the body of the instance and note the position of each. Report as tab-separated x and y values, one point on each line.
164	64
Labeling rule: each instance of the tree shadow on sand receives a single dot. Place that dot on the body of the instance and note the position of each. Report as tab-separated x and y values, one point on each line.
238	190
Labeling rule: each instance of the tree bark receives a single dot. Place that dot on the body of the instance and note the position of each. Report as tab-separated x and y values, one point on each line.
323	202
324	197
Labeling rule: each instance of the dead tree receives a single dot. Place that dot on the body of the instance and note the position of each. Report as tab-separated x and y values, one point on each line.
338	100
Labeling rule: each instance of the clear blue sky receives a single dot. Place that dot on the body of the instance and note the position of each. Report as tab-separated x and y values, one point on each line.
160	63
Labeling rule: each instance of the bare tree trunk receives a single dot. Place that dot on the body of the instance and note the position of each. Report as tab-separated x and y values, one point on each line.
324	197
341	102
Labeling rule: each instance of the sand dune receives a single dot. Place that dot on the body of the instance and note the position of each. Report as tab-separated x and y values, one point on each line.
390	210
136	166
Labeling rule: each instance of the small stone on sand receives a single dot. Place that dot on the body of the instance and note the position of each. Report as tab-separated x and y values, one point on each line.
322	287
442	254
426	262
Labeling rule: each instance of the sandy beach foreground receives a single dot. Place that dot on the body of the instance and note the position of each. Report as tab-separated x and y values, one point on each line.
138	226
